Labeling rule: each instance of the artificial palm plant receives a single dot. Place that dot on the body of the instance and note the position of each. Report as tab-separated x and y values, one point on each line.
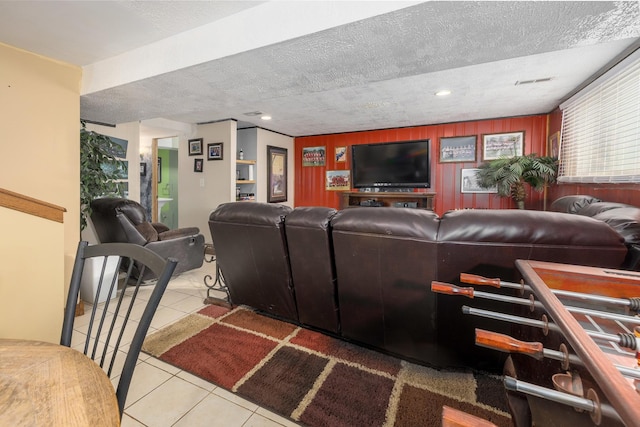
100	169
510	174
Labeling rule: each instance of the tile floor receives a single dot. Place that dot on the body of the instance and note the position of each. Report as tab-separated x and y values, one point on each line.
162	395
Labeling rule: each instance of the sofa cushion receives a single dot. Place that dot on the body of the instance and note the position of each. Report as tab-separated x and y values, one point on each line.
595	208
526	227
399	222
149	233
572	204
625	220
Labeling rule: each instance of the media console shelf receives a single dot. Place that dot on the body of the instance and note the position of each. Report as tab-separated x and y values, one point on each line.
417	200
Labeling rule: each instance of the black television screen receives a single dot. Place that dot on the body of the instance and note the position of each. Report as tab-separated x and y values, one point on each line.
391	164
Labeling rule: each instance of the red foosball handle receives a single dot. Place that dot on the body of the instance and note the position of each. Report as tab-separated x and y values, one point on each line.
449	289
508	344
474	279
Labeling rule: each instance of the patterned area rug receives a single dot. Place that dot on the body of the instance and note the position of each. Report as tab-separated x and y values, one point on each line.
318	380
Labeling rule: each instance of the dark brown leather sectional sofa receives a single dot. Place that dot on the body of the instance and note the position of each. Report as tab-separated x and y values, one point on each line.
364	274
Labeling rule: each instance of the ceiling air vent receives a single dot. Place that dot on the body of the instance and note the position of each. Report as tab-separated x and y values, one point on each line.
528	82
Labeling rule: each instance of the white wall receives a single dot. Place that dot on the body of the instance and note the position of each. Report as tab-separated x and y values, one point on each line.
201	193
265	138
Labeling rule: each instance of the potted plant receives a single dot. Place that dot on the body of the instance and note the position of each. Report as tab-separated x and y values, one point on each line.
100	173
100	169
510	174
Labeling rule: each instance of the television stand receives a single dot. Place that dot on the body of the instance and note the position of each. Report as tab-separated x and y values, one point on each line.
388	199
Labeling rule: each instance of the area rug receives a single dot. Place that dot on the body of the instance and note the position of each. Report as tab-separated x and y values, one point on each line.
318	380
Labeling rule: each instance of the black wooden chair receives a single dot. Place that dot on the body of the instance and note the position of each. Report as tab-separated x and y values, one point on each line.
109	321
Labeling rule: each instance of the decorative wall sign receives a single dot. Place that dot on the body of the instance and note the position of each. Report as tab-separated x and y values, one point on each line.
458	149
276	174
469	183
195	147
338	180
314	156
502	145
341	154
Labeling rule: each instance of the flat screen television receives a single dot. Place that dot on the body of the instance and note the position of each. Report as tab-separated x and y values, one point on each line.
391	165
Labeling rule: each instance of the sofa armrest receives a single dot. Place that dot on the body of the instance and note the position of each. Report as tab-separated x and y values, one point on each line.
178	232
132	234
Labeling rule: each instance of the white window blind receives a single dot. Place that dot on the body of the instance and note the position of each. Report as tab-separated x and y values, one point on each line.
600	139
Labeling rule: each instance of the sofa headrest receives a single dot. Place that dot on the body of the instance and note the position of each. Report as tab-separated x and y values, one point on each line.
526	227
250	213
595	208
109	206
625	220
310	217
572	204
400	222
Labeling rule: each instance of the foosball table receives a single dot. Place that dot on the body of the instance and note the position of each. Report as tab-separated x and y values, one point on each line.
574	343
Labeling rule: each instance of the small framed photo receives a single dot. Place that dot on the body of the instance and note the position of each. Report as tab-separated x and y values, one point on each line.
553	147
502	145
341	154
195	147
197	165
458	149
143	169
338	180
469	182
314	156
214	151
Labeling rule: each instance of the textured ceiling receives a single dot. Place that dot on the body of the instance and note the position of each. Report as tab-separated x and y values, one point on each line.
374	73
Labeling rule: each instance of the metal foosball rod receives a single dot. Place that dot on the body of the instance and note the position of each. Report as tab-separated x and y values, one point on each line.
623	340
591	405
507	344
631	303
628	340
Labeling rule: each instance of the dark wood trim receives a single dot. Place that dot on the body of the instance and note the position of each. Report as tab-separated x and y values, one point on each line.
31	206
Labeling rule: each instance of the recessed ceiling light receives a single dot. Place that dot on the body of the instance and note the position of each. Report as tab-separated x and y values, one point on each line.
265	117
443	92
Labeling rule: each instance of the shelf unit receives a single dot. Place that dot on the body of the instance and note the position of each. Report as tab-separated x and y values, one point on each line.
246	171
388	199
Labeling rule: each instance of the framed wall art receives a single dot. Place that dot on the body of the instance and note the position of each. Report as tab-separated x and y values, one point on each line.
341	154
314	156
553	147
502	145
276	174
458	149
338	180
195	147
469	182
214	151
197	165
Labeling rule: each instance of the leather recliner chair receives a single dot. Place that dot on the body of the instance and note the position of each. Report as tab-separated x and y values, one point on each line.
122	220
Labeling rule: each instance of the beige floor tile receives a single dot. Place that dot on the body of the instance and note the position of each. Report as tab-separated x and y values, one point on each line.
171	297
215	411
167	403
164	316
189	304
227	395
206	385
127	421
162	365
145	379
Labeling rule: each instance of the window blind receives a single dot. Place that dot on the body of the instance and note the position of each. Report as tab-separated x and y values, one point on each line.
600	137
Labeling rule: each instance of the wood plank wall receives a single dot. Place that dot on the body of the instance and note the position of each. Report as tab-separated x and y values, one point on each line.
445	177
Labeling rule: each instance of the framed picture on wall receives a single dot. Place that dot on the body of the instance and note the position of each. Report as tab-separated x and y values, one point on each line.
276	174
159	170
314	156
195	147
502	145
214	151
143	169
469	182
458	149
338	180
341	154
553	147
197	165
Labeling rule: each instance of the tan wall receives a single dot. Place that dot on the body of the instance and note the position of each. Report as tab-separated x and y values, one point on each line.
40	152
265	138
